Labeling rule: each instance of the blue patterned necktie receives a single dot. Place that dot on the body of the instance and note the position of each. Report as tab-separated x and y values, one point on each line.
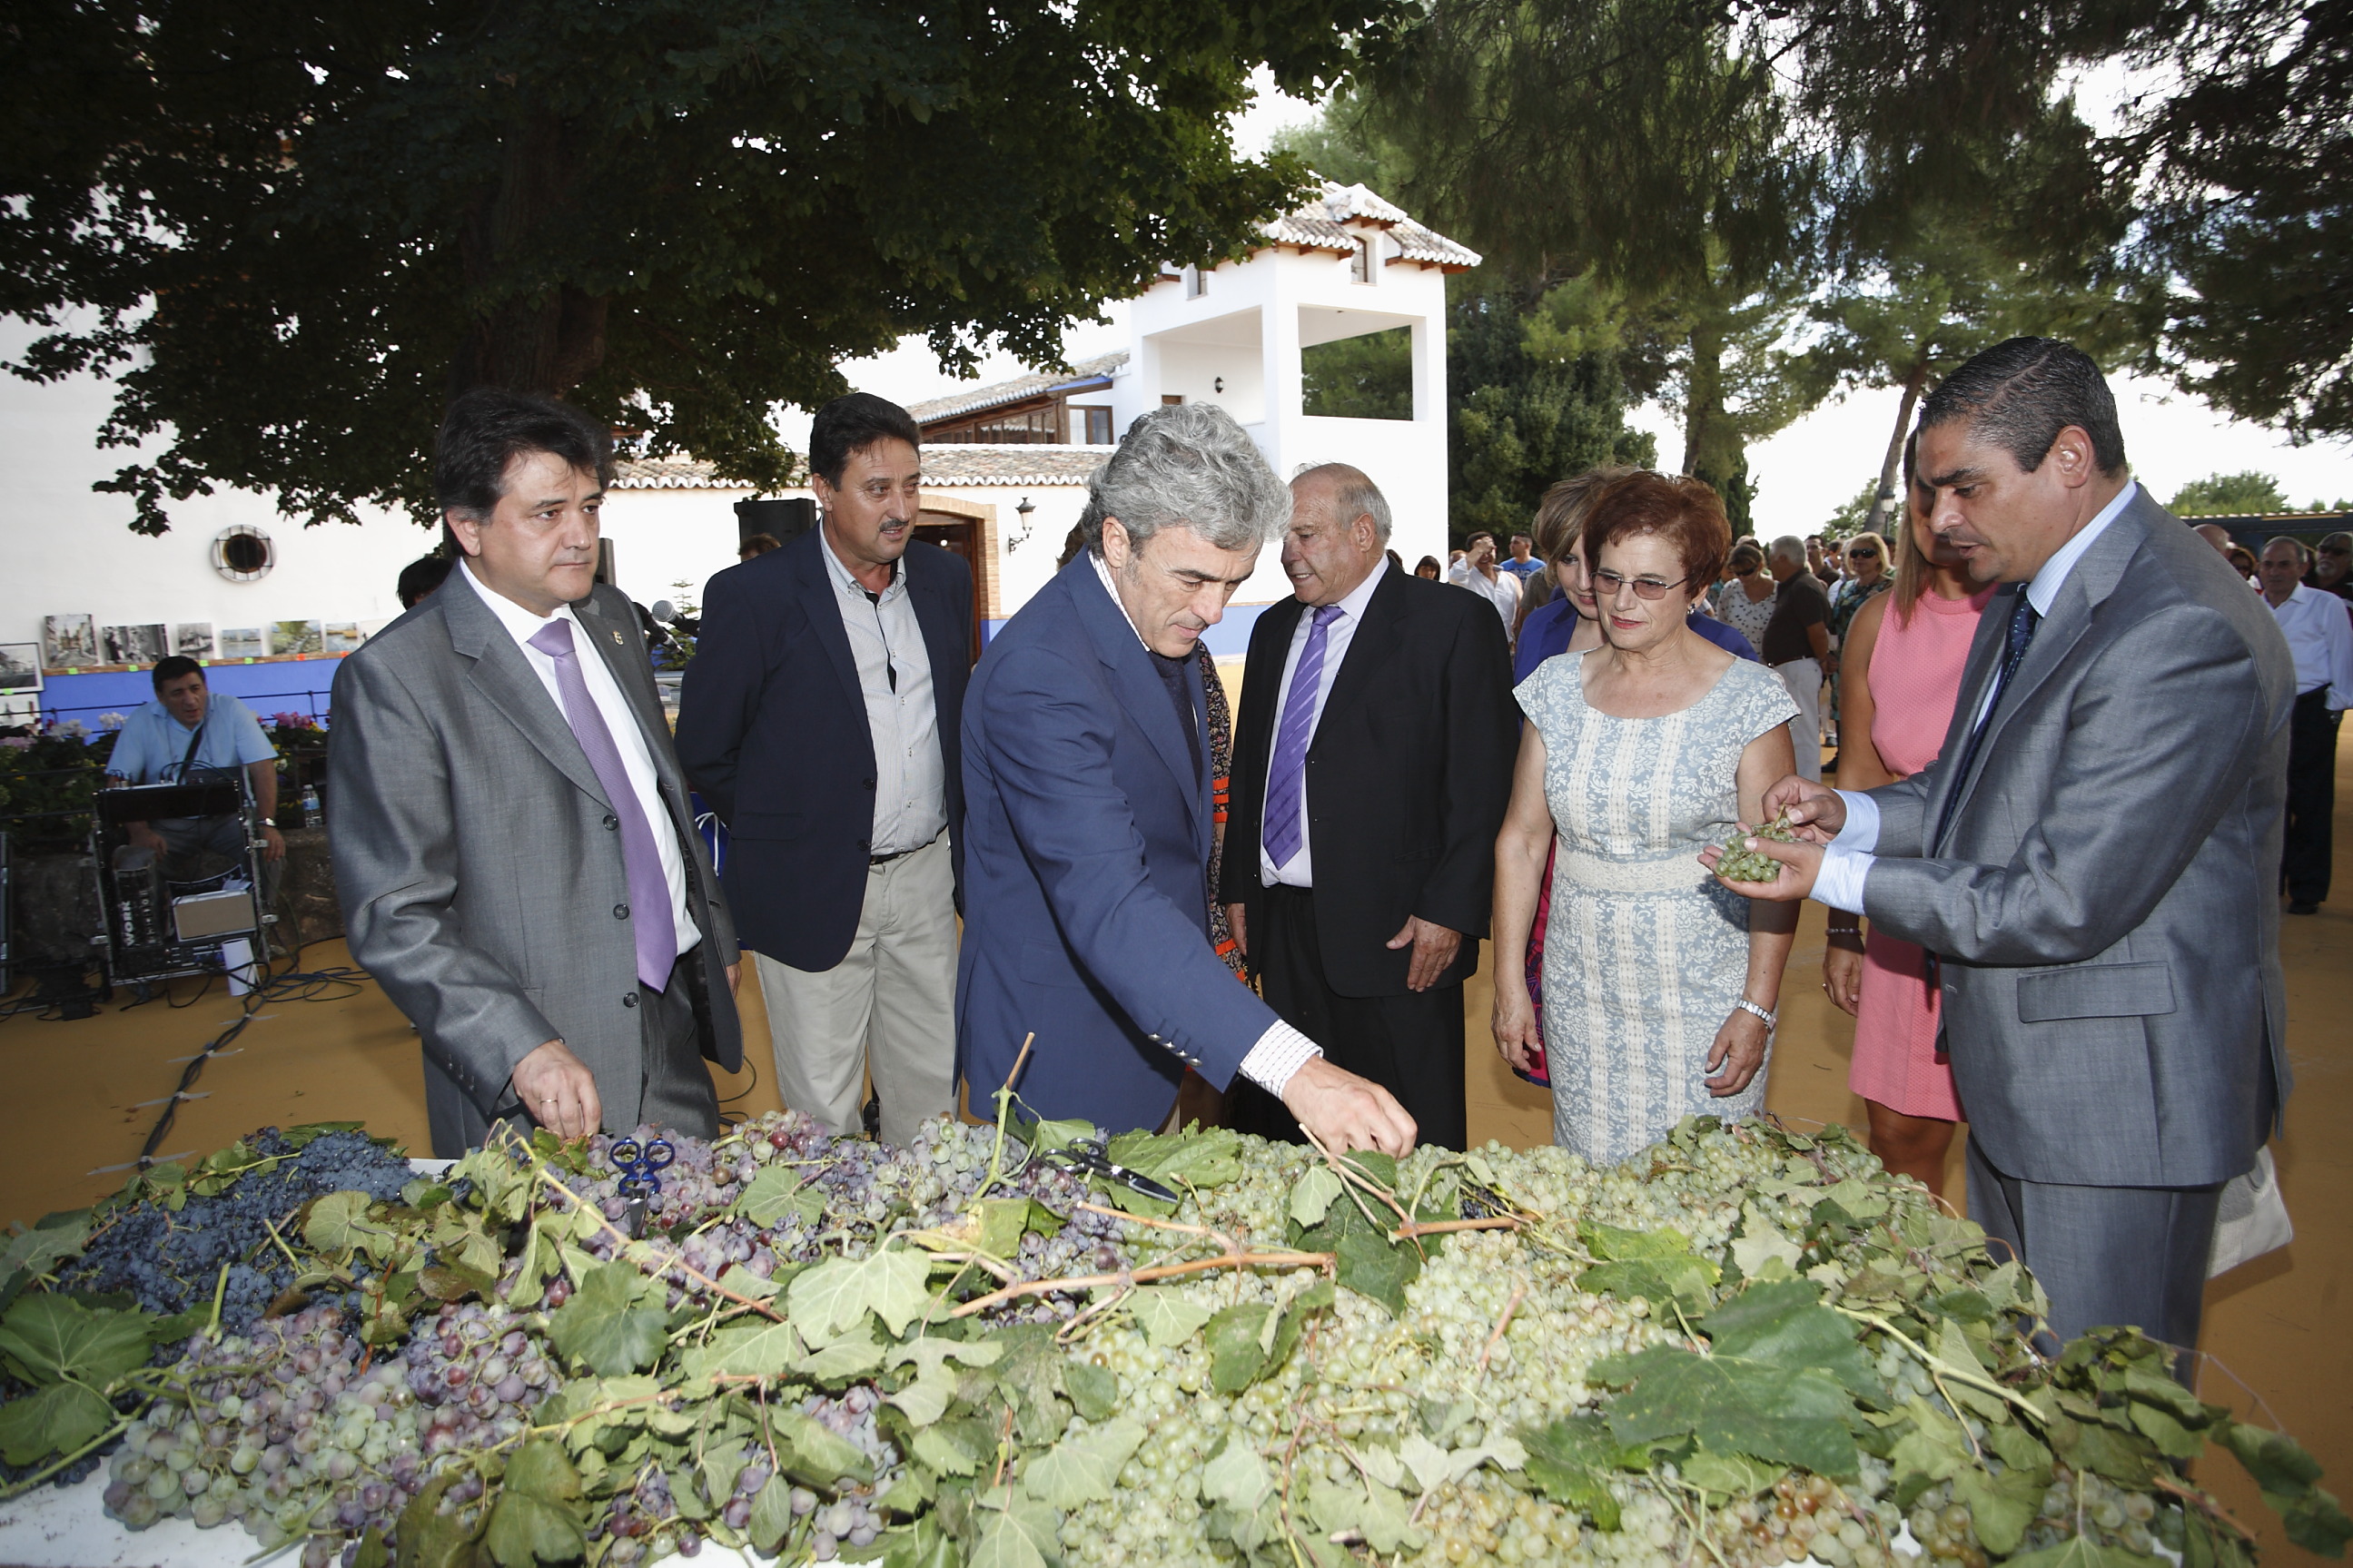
650	902
2024	619
1286	777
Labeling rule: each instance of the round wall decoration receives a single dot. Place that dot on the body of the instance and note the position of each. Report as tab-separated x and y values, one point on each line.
243	553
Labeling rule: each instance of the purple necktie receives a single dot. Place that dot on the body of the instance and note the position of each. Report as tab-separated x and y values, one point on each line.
650	904
1286	779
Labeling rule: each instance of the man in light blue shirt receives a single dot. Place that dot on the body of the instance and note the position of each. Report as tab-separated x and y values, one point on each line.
185	733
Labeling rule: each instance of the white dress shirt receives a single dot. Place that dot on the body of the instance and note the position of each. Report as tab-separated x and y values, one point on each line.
2320	636
628	738
910	806
1281	1050
1847	859
1299	871
1502	590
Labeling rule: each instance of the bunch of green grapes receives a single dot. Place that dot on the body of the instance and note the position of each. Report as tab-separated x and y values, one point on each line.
1738	863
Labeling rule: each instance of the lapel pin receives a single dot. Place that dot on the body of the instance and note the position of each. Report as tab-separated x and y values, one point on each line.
616	636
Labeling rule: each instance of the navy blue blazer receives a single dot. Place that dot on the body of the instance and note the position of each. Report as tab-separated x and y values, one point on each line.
772	729
1086	833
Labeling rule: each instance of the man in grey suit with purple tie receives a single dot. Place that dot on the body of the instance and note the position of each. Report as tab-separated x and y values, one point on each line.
513	844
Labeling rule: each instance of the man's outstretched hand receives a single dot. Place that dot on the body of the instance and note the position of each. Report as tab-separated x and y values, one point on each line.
1816	811
1799	864
1345	1111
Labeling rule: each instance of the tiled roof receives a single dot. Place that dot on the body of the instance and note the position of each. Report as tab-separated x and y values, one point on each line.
978	463
1014	391
949	463
1317	227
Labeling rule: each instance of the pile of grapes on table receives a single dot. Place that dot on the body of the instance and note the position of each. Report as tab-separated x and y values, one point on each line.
1743	1347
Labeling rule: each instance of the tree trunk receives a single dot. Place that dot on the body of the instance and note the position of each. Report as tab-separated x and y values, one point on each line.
1712	448
545	340
1880	508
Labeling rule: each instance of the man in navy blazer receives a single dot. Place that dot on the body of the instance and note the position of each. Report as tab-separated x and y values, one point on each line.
819	719
1088	812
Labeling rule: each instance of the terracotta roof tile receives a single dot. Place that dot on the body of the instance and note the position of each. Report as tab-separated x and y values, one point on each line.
1003	391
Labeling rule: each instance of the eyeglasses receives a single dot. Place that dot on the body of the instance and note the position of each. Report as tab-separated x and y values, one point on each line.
1862	555
1606	585
2337	549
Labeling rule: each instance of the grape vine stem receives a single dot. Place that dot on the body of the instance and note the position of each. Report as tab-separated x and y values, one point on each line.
1145	1275
1973	1380
1519	1294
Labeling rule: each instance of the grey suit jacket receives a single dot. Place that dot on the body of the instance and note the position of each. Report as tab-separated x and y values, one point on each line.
2105	898
479	863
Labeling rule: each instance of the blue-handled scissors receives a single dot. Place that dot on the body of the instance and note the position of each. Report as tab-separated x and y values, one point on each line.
641	1164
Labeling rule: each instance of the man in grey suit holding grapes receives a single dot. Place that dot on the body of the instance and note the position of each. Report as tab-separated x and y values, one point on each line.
2093	857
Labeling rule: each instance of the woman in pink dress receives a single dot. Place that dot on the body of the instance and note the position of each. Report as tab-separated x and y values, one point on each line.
1902	660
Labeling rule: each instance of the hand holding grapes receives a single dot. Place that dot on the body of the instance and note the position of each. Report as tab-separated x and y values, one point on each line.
1814	812
1744	861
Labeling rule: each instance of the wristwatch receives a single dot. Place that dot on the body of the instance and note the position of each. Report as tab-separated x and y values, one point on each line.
1746	1005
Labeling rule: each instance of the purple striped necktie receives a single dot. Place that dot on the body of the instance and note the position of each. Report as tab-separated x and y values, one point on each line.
1286	777
650	904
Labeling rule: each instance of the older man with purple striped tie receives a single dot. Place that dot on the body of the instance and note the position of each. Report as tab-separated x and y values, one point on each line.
1372	763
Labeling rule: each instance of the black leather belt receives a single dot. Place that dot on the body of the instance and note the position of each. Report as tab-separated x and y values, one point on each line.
898	854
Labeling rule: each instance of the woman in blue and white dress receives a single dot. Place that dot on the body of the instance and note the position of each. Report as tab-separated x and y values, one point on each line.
1660	983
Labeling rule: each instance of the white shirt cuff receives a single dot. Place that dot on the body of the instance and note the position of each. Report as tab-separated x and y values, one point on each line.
1861	834
1838	883
1280	1052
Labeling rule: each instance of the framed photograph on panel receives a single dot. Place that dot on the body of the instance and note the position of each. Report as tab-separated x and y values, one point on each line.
192	639
244	642
67	642
341	636
296	636
20	667
135	645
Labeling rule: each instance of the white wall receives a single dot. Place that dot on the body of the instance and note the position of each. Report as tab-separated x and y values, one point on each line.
70	551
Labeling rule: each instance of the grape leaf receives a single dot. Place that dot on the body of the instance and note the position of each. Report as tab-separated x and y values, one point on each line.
523	1530
38	1250
2000	1507
760	1349
1093	1389
1426	1459
1207	1158
2089	1445
1613	1243
772	1514
1734	1475
1023	1535
56	1419
1683	1279
777	1193
928	1399
1372	1266
338	1224
1166	1316
938	1448
814	1453
1733	1404
45	1338
607	1324
831	1298
1238	1476
1782	1321
1237	1358
2017	1449
853	1354
2076	1551
1314	1195
1084	1465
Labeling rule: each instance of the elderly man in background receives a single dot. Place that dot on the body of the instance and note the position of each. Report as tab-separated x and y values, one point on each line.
1372	763
2320	640
1479	571
1796	644
1088	812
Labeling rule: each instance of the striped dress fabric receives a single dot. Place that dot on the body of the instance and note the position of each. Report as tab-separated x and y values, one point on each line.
1915	678
1645	954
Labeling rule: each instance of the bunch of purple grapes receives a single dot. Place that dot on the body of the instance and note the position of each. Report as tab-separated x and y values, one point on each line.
478	1373
171	1262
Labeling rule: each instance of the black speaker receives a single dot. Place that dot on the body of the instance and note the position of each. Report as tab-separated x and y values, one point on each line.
781	520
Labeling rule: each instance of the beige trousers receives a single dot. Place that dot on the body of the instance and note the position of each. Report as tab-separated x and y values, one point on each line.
1803	676
887	1008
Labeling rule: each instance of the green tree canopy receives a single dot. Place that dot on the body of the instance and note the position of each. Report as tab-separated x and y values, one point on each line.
291	230
2228	494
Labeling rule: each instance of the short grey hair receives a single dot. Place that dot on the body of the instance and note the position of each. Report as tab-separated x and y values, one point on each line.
1354	494
2303	556
1190	466
1789	547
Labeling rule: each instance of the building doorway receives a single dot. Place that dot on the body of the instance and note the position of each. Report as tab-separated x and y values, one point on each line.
960	536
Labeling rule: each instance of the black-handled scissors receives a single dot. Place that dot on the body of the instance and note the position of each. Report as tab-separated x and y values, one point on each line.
1088	1157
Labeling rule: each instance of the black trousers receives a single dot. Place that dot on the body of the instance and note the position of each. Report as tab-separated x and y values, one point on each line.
1411	1044
2311	798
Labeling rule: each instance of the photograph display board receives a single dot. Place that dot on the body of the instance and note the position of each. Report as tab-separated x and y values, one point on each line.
20	667
136	644
67	641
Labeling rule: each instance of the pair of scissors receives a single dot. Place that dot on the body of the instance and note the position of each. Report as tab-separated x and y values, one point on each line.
1088	1157
640	1166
